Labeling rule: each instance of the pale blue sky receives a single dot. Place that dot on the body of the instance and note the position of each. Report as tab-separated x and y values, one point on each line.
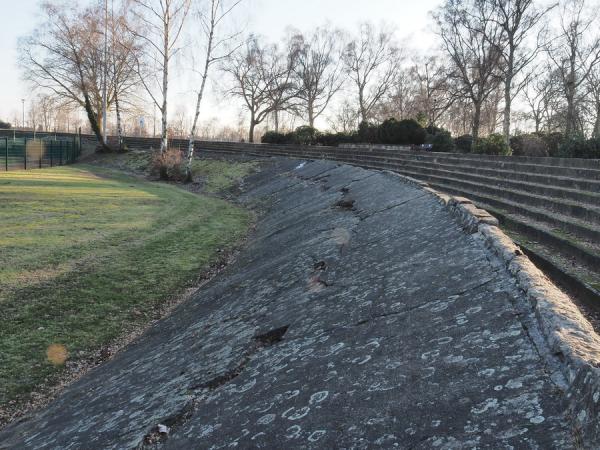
266	17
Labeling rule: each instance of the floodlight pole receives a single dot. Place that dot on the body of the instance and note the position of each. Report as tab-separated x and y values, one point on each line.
104	97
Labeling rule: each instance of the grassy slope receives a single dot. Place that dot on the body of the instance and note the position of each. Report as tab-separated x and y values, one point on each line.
85	251
213	174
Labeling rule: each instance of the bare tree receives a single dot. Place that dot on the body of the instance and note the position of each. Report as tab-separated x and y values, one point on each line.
262	78
540	94
473	39
518	19
64	56
575	51
345	119
317	71
372	63
217	49
593	99
158	27
434	93
123	54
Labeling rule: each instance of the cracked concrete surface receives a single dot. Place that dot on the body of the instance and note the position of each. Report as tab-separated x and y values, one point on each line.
379	324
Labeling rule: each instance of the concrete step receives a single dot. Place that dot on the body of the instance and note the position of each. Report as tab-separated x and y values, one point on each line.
556	192
582	211
546	161
582	205
592	174
540	179
570	177
581	229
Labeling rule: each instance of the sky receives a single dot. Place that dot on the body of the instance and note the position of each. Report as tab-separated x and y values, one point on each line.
269	18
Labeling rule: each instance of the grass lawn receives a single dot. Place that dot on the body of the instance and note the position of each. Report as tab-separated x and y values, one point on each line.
85	252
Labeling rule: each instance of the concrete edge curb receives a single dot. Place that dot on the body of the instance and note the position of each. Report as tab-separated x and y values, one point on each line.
568	334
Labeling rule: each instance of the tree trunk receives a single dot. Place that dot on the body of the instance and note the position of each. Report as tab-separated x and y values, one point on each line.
251	131
570	125
93	118
476	122
507	109
597	122
164	143
276	116
311	114
361	104
119	123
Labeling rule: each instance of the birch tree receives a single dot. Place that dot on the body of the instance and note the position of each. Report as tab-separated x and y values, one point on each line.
217	49
317	71
473	39
159	27
372	63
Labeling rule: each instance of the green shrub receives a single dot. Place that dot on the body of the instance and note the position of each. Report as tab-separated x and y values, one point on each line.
528	145
571	147
401	132
593	148
464	143
553	142
494	144
335	139
443	142
368	133
273	137
305	135
579	147
4	125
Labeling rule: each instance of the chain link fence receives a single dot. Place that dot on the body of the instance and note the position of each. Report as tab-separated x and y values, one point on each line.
34	153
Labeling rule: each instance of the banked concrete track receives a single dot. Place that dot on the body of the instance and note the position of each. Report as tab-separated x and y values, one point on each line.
360	315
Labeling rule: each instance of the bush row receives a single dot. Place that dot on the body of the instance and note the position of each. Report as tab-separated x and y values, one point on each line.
410	132
390	132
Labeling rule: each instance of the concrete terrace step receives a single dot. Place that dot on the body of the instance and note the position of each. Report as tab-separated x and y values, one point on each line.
549	191
584	212
540	179
589	214
547	161
545	185
530	166
556	220
592	174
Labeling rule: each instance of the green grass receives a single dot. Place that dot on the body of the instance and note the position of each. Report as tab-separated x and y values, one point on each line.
86	251
214	175
217	175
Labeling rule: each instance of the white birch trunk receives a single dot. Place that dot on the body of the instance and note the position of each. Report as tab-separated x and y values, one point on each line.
207	62
165	87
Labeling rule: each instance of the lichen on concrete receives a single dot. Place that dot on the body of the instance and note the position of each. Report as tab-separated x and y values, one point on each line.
360	315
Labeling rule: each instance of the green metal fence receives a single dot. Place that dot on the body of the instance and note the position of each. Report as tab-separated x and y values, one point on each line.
29	153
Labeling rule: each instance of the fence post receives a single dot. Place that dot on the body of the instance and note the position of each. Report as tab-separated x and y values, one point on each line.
51	152
25	154
40	154
60	153
6	153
